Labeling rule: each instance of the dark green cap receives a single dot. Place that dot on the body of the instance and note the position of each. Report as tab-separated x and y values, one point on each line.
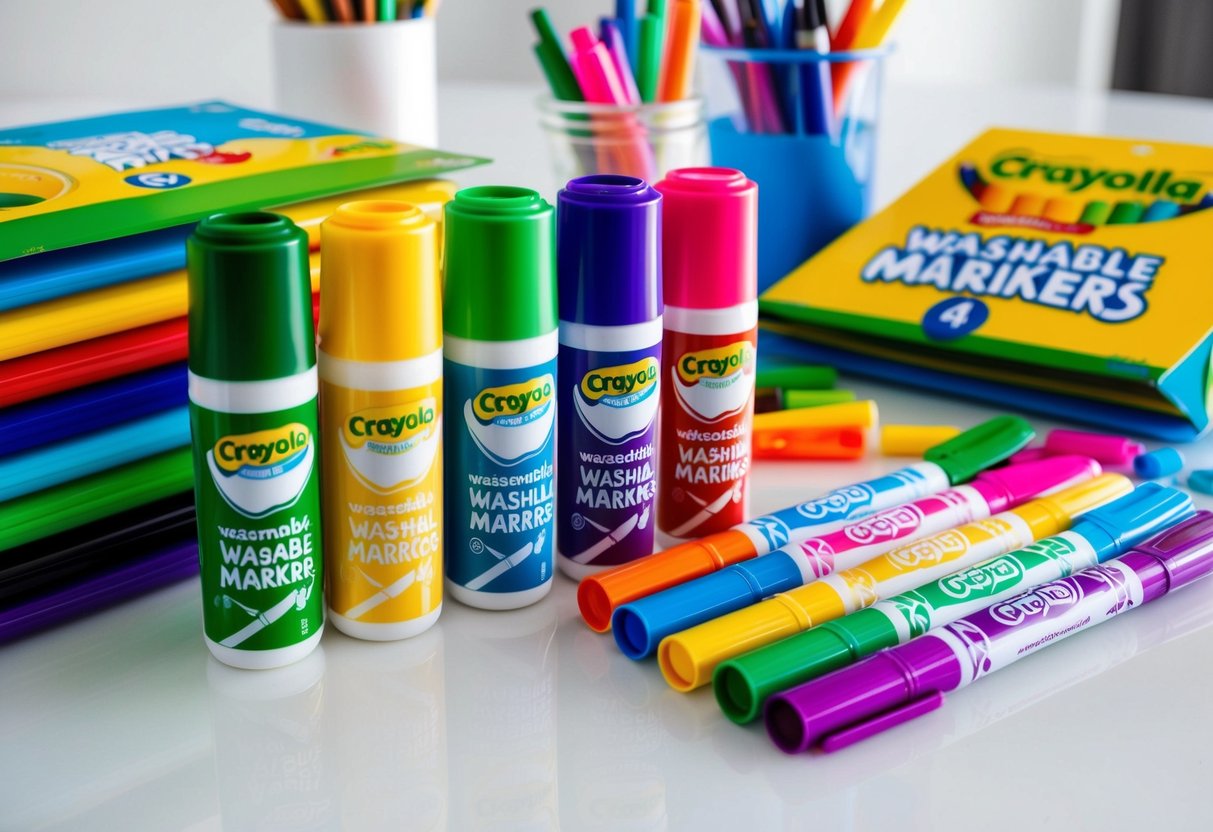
500	265
968	454
250	315
796	377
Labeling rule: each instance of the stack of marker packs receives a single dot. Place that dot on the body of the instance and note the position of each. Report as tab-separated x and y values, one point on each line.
96	500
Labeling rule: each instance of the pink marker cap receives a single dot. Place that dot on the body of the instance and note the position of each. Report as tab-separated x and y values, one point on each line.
1029	455
1110	450
709	238
1005	488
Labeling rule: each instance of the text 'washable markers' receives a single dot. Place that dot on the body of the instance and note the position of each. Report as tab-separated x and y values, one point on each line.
381	416
499	369
689	658
608	269
743	684
899	684
950	463
709	263
253	388
641	624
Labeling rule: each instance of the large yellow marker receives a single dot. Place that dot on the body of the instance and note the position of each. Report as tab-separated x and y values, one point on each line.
381	418
688	658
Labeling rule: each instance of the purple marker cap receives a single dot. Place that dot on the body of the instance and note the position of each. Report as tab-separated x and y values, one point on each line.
1184	551
608	251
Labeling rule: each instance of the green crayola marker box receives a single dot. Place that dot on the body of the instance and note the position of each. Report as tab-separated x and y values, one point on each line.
1064	274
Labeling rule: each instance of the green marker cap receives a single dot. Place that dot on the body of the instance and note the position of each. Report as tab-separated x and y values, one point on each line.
793	399
796	377
742	684
500	265
964	456
250	285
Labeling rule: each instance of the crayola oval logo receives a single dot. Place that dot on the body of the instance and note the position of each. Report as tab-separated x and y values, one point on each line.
264	471
390	448
620	402
512	422
717	382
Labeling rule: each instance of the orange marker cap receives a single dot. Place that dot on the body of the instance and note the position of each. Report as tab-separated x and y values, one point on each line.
809	443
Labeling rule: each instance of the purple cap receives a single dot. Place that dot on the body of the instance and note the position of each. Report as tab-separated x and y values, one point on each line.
1007	487
1182	554
608	251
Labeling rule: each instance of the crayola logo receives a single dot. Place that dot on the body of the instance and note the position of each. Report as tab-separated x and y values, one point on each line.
1075	178
394	424
715	363
620	380
513	399
264	471
261	449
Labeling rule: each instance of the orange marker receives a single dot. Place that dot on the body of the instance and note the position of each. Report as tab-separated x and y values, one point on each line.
847	442
857	14
996	199
343	10
1060	209
870	33
680	53
1028	205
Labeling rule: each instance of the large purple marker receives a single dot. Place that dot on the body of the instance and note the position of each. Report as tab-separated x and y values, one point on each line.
608	255
896	685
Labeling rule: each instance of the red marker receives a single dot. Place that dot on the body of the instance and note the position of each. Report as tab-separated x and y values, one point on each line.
709	262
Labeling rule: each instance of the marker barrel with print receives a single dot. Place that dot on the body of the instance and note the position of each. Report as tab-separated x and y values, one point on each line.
609	274
253	386
499	363
709	260
381	407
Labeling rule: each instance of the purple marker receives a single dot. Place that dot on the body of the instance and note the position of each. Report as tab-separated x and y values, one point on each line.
608	253
899	684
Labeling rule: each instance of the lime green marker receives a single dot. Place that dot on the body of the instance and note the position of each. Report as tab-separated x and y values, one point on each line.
1096	213
253	387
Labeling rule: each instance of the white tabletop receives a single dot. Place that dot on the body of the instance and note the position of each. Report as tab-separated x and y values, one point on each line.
528	720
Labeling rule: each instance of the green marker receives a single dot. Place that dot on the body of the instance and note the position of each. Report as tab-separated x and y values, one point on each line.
1126	213
253	387
743	684
796	377
651	29
1096	213
552	59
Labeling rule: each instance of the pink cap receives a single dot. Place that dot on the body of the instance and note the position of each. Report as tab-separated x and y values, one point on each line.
709	238
1029	455
1111	450
1005	488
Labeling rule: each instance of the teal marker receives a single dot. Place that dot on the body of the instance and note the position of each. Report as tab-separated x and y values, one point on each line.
743	684
1161	209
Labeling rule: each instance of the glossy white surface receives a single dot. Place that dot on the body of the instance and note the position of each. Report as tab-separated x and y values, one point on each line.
528	720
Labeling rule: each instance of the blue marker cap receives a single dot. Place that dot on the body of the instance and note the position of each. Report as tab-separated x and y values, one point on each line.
640	626
1161	463
1132	519
608	251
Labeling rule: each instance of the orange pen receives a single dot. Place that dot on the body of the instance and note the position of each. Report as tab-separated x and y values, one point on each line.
856	15
680	54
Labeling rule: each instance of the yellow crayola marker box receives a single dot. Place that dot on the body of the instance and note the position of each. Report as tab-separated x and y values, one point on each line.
1064	274
381	418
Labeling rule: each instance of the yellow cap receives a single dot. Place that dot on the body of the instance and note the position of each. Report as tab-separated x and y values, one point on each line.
381	299
430	195
850	414
913	440
1049	515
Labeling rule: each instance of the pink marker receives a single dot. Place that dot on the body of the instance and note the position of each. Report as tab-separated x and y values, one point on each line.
1110	450
591	64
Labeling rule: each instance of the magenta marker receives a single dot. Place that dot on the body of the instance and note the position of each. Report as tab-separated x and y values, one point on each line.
899	684
1110	450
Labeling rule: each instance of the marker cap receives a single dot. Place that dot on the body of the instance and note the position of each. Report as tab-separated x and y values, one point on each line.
1130	519
857	414
608	251
1004	488
380	283
913	440
599	595
250	289
641	624
500	280
795	376
1049	515
1185	552
709	238
1110	450
980	447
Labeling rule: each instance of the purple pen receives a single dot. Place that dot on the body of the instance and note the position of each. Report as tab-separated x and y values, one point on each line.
899	684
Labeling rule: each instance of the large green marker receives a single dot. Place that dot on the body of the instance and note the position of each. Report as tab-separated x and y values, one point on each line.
743	684
253	387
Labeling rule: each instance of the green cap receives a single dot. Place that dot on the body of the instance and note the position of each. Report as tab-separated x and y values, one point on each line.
500	265
793	399
742	684
796	377
250	315
964	456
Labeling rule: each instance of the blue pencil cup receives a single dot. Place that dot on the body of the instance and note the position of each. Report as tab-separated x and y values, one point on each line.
772	115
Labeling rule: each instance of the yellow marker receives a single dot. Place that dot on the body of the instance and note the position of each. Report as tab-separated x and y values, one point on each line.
913	440
858	414
381	419
688	658
1062	209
